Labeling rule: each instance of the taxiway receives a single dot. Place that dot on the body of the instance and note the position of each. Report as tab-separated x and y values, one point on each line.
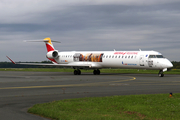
21	90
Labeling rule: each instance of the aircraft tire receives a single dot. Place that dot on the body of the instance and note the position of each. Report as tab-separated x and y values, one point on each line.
79	72
98	72
160	74
95	72
75	72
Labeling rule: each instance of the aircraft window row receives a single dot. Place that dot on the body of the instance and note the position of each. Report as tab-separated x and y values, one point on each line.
67	56
156	56
116	56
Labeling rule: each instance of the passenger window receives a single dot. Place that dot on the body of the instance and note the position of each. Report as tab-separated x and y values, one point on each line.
122	56
125	56
119	56
131	56
116	56
113	56
109	56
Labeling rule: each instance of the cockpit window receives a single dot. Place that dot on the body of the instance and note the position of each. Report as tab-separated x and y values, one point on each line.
159	56
156	56
152	56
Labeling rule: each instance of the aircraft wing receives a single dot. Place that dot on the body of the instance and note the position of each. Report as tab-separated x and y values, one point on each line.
73	64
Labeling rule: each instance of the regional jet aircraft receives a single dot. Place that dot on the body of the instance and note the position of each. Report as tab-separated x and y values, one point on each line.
97	60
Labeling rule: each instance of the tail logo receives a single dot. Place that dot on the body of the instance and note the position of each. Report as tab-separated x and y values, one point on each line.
49	44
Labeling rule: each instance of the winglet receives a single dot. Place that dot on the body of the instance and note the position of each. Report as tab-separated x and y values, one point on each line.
11	60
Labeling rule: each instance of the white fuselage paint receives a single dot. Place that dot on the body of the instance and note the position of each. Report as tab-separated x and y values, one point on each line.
115	59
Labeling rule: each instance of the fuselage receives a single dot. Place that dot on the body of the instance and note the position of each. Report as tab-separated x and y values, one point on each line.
105	59
115	59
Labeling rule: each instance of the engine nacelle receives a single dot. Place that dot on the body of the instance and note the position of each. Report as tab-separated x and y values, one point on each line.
52	54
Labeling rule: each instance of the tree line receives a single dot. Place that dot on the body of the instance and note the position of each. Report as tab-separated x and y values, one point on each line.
176	65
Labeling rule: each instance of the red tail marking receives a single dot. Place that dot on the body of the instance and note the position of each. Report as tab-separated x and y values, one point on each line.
49	47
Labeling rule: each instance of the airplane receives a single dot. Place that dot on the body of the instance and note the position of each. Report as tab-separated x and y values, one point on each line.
97	60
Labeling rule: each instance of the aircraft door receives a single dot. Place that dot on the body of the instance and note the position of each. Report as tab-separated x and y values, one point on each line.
150	62
141	60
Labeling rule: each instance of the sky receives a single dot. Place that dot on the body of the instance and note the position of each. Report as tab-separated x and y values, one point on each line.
88	25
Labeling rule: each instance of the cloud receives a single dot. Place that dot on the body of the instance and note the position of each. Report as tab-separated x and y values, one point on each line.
89	25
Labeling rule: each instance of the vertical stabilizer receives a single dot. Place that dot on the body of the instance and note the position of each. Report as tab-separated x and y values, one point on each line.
49	44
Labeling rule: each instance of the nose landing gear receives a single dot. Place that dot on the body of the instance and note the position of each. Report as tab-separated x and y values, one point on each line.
160	74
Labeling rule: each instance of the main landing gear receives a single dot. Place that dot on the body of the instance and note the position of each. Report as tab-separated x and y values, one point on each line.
77	72
160	74
95	72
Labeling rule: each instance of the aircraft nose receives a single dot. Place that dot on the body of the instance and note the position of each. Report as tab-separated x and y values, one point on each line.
168	64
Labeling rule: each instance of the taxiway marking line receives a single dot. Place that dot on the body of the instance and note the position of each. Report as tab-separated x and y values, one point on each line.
70	85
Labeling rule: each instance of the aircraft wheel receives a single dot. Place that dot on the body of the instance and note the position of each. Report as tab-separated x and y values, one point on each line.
160	74
95	72
98	72
75	72
79	72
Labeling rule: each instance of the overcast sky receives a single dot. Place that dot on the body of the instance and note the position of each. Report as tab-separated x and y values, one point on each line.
83	25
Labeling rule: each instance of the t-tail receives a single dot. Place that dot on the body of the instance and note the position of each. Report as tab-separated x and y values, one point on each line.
52	54
49	44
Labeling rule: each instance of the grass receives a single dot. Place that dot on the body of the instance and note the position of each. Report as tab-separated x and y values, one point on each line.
141	71
130	107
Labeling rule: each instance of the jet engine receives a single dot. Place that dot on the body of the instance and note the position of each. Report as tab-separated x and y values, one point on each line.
52	54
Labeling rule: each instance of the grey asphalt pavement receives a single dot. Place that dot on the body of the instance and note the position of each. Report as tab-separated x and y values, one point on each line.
21	90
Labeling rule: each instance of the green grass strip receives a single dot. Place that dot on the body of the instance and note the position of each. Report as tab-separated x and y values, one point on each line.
128	107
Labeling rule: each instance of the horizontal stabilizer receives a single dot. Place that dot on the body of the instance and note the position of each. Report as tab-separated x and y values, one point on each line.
41	41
